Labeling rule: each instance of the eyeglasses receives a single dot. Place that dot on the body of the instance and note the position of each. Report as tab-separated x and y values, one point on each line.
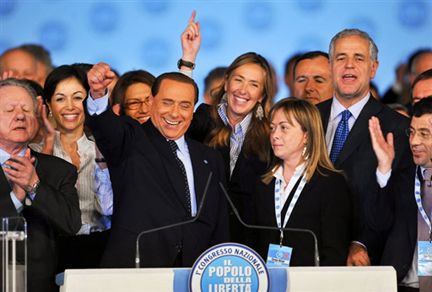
422	134
136	104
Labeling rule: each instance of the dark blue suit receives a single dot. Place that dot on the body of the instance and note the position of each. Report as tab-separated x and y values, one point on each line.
393	212
149	192
358	161
54	211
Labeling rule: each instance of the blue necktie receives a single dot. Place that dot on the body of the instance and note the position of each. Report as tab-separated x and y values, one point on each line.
341	134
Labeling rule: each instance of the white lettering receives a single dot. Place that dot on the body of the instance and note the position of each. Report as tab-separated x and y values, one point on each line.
211	271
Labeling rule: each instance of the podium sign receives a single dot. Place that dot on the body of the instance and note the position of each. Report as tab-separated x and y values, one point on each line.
13	235
229	267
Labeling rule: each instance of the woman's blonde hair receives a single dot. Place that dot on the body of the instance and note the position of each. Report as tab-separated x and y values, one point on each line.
309	119
257	136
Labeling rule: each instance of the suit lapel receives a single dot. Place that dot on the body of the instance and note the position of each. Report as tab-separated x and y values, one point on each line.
201	169
325	109
4	183
225	151
39	168
165	162
360	130
267	193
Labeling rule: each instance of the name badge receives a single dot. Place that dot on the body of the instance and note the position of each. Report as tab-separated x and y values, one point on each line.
279	256
425	258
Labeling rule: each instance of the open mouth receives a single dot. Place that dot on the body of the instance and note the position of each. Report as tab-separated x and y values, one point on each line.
241	100
349	77
172	123
143	119
70	116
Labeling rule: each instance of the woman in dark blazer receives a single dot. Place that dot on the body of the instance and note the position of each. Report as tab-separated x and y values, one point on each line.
236	124
302	189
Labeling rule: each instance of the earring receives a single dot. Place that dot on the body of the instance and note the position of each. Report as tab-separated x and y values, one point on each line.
259	112
50	114
304	151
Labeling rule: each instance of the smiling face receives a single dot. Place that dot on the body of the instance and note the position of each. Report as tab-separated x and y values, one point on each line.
352	68
138	102
421	141
172	108
312	80
244	88
17	118
287	140
67	105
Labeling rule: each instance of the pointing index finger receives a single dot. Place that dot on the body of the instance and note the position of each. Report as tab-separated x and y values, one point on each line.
192	18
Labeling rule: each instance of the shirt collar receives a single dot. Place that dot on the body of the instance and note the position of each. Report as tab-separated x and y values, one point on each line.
181	143
5	156
243	125
83	142
422	171
297	172
355	109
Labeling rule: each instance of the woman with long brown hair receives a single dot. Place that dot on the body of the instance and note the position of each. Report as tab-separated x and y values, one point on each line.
239	129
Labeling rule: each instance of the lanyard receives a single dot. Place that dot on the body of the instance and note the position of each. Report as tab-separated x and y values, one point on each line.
278	207
420	206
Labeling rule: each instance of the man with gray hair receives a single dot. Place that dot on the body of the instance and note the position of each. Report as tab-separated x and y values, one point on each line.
353	62
38	187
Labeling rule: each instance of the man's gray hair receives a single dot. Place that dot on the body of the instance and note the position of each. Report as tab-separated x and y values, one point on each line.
373	49
23	84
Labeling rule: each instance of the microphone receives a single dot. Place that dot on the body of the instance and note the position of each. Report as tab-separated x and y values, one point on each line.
137	253
316	255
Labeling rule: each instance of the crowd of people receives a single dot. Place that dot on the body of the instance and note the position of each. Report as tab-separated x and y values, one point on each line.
94	160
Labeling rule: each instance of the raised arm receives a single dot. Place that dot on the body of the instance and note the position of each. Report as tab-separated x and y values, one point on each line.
384	150
99	77
191	41
46	130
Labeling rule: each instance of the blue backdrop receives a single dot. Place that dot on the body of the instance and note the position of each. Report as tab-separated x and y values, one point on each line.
146	34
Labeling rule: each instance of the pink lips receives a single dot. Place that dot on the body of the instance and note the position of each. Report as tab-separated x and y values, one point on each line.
349	77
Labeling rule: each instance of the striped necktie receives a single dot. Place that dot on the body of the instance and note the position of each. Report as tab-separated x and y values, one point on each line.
174	148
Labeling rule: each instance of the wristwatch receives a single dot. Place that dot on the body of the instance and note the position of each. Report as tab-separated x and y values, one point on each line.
188	64
34	189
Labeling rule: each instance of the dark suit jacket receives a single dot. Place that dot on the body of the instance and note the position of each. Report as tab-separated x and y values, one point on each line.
323	208
357	159
54	211
393	212
149	192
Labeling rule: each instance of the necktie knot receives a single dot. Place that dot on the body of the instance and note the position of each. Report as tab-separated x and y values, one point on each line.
346	114
173	145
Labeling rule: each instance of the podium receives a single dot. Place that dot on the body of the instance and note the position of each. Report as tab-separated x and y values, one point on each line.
13	236
331	279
